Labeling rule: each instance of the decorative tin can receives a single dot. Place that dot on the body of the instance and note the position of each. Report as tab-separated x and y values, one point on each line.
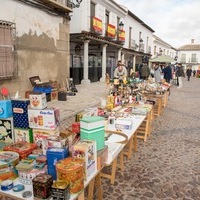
22	148
71	170
8	161
42	186
60	190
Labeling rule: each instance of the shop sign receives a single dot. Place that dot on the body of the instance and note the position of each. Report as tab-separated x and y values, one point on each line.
111	31
121	35
97	25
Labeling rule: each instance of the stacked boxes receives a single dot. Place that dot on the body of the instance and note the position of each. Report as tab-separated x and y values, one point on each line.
93	128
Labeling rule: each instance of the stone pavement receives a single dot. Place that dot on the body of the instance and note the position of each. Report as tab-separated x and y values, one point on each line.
167	166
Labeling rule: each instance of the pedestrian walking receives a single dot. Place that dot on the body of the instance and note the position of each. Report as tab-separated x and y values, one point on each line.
189	73
180	74
157	73
194	73
167	71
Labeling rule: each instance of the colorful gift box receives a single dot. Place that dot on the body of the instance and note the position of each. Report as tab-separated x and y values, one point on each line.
6	130
38	100
47	118
20	113
5	109
86	150
23	135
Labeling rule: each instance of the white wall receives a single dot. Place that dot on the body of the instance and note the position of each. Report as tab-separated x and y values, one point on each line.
28	18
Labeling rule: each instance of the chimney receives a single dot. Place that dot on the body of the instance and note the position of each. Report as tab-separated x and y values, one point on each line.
192	41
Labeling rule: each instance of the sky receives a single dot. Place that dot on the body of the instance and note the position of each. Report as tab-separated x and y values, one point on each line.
174	21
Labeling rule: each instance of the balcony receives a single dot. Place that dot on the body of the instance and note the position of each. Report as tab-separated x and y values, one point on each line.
141	47
57	5
96	26
120	36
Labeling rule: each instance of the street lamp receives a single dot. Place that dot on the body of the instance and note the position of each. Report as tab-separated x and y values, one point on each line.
121	26
75	5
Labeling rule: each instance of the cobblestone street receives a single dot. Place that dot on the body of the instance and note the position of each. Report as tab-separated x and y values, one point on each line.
167	166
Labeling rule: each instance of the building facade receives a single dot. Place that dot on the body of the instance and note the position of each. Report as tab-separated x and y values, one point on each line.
101	33
160	47
34	41
189	55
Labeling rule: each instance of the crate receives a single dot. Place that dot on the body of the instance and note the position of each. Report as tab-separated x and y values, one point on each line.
5	109
97	135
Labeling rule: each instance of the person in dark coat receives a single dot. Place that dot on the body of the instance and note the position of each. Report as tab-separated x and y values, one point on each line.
167	71
144	71
189	73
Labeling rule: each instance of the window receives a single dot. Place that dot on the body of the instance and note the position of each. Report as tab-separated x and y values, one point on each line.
154	50
183	58
194	57
8	67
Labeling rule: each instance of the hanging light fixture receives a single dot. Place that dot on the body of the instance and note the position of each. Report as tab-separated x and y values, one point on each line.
121	26
76	4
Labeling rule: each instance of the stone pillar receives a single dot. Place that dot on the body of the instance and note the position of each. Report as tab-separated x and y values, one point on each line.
85	67
122	58
103	63
134	62
119	54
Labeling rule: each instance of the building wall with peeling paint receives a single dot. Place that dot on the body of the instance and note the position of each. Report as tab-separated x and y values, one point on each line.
42	44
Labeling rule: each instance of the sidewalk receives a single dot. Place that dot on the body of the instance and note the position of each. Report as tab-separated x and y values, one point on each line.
167	166
87	96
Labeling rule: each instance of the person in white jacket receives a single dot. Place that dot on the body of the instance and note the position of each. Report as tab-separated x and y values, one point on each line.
157	73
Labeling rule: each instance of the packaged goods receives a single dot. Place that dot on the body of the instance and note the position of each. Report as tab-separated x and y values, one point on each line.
8	161
71	169
47	118
86	151
5	109
53	156
20	112
60	190
38	100
42	186
22	148
23	135
6	131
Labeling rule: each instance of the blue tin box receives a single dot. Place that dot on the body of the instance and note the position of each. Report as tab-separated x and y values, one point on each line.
43	89
54	155
20	113
5	109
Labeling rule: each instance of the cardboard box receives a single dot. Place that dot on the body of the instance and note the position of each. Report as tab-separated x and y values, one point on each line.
47	118
38	100
86	150
23	135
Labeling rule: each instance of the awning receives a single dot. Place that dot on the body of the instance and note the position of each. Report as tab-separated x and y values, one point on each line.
162	59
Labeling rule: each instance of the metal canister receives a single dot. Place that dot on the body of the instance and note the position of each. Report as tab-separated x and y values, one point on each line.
60	190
